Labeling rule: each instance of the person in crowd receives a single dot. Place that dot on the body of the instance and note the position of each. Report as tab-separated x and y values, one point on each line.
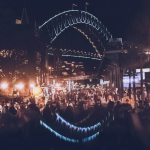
21	116
110	105
69	113
7	118
32	106
105	95
118	110
138	94
146	104
47	113
0	108
127	106
140	107
115	97
12	110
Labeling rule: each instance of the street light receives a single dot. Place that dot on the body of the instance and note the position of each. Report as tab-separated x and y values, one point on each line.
4	85
74	5
49	74
86	6
72	67
57	85
19	86
50	70
32	85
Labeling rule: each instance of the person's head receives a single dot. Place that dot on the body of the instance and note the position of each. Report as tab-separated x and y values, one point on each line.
118	102
6	109
47	105
11	104
8	104
127	101
29	103
140	102
22	107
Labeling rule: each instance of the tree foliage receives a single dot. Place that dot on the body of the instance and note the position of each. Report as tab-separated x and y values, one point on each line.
135	58
14	65
139	30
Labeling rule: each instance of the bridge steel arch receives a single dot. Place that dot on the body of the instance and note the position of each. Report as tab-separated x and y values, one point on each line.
60	22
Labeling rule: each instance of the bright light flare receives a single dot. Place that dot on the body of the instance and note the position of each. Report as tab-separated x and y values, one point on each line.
37	91
32	85
19	86
57	85
4	85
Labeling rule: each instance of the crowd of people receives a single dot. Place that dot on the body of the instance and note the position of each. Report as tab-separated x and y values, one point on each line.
77	99
74	106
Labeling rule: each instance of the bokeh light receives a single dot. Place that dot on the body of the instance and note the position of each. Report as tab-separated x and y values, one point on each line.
57	85
32	85
4	85
37	91
19	86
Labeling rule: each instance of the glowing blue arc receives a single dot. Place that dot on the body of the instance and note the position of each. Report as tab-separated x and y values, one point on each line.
90	138
68	12
68	139
57	134
75	127
57	16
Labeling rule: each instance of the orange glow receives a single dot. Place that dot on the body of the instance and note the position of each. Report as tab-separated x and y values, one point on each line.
37	91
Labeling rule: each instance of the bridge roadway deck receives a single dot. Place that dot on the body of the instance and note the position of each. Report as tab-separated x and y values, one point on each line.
74	78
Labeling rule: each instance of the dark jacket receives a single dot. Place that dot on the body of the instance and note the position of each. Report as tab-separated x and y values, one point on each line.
12	110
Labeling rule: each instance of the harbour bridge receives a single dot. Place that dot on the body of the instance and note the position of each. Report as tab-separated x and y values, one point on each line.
95	32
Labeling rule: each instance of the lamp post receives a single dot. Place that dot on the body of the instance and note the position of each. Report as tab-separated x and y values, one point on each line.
49	74
74	5
32	86
72	65
50	70
86	6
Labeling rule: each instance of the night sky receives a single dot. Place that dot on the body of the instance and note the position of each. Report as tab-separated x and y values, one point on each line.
127	19
116	15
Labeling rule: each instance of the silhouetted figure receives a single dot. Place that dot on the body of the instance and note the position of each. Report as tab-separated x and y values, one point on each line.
146	104
47	113
33	107
110	105
12	109
21	116
69	113
7	117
